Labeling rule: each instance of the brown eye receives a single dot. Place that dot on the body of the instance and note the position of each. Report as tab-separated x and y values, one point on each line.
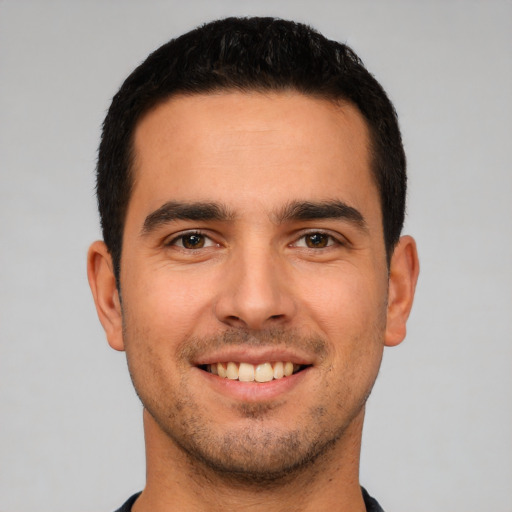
317	240
192	241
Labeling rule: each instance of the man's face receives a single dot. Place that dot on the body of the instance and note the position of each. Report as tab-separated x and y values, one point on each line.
253	239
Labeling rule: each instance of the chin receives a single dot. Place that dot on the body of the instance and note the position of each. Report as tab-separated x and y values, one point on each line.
254	454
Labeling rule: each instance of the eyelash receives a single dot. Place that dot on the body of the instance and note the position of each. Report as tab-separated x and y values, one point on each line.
330	240
182	236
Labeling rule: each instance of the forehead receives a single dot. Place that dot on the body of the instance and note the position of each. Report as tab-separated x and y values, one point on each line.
252	148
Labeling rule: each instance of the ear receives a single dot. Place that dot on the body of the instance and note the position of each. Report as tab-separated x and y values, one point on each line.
100	273
403	275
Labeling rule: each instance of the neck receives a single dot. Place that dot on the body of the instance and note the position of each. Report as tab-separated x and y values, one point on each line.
176	481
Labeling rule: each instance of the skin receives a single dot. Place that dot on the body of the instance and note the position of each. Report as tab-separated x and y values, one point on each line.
265	283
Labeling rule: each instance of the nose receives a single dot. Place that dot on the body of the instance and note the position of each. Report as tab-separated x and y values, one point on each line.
255	292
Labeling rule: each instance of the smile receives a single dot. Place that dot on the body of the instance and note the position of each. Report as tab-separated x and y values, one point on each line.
247	372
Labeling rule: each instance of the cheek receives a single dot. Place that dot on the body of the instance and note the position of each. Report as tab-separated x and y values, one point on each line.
348	304
156	318
350	312
166	306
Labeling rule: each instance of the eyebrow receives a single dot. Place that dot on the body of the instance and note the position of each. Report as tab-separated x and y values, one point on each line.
294	211
174	210
306	210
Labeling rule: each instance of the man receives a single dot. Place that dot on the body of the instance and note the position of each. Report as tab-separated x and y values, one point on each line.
251	187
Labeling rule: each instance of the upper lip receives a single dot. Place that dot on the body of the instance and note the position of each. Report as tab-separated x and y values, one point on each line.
255	356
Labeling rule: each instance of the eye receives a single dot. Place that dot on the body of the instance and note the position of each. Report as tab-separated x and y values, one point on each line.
192	241
315	240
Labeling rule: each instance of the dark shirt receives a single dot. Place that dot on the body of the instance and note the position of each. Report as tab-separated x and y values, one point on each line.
127	507
371	504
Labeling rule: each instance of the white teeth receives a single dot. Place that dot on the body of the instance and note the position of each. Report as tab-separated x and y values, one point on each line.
288	369
278	370
263	373
221	370
246	372
232	371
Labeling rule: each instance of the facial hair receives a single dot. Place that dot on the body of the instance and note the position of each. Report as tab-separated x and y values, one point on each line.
253	451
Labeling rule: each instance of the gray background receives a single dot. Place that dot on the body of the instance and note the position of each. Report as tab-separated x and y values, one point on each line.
438	431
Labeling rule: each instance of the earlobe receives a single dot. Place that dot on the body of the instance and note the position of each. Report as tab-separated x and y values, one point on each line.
106	295
403	275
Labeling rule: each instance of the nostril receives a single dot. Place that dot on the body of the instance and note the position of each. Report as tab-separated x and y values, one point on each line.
234	321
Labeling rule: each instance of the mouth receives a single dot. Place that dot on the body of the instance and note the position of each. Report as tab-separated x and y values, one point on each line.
247	372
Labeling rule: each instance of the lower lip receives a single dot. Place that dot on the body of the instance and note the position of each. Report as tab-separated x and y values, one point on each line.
254	391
